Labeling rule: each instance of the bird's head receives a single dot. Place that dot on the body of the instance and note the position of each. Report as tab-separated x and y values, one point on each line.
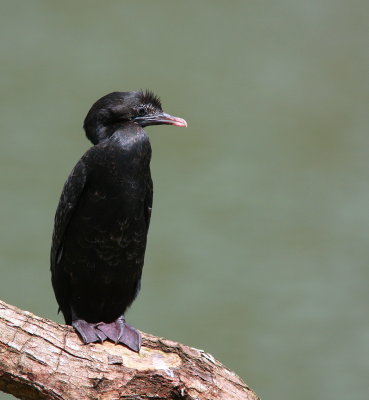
117	108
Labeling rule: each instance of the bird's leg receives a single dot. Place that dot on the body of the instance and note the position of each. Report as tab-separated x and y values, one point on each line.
120	332
88	331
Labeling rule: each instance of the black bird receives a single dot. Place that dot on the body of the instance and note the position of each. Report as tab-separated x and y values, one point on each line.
103	217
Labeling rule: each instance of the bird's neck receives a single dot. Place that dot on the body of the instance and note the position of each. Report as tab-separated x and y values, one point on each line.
103	132
132	146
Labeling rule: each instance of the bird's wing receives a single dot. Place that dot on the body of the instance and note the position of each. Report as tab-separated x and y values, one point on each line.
68	202
148	201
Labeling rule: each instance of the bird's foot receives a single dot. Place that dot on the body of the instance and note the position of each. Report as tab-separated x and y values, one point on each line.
120	332
117	331
88	331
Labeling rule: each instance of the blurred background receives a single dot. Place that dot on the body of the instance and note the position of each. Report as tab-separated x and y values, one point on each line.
259	242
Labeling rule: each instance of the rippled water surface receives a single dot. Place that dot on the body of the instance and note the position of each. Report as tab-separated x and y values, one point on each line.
258	249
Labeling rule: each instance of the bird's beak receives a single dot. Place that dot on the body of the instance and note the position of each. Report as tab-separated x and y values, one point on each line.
160	119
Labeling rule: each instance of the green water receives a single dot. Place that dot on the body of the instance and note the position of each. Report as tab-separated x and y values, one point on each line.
258	249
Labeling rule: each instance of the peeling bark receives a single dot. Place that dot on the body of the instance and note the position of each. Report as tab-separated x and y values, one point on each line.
40	359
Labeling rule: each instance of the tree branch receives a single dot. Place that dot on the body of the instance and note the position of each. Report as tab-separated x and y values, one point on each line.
42	360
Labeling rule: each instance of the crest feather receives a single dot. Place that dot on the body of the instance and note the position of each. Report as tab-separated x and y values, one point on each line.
148	97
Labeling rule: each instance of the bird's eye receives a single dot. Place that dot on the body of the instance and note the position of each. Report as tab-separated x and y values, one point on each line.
141	111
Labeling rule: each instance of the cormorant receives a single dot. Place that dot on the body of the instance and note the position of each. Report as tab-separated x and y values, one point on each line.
103	217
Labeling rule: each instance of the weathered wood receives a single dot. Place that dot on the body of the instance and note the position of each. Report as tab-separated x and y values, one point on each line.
40	359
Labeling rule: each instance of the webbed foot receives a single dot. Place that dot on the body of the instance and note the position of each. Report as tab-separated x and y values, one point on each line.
117	331
88	332
120	332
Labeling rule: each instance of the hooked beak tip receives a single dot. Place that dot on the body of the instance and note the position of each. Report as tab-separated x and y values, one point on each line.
180	122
